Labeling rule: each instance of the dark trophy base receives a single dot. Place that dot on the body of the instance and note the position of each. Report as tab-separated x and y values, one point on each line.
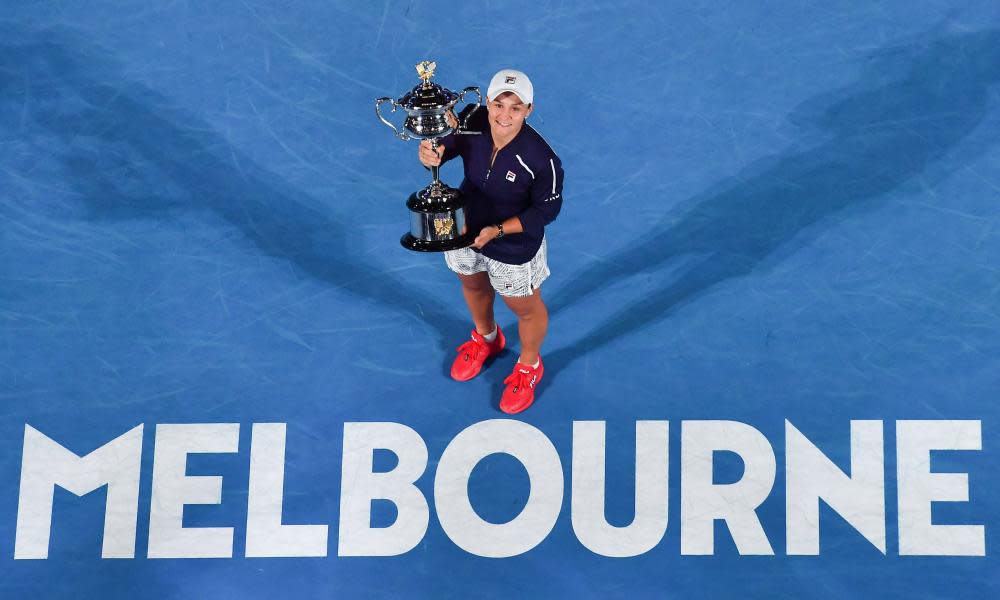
411	243
437	220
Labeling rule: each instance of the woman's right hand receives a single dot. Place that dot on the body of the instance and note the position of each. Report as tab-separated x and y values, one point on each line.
430	157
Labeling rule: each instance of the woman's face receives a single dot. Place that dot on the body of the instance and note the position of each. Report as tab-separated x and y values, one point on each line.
507	114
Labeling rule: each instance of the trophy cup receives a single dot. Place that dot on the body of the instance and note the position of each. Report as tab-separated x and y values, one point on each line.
437	212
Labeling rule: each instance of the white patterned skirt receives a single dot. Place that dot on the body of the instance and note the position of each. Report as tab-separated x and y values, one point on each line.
508	280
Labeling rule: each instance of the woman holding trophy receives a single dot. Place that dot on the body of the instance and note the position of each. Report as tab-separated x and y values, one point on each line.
513	183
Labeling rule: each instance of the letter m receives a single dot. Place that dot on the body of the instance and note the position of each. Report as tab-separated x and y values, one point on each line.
46	464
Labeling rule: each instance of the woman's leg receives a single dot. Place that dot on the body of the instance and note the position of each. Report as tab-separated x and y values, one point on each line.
479	297
532	323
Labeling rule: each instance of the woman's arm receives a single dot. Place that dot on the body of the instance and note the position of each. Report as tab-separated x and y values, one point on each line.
546	202
492	232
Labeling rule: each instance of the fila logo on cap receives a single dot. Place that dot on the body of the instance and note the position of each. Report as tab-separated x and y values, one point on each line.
511	80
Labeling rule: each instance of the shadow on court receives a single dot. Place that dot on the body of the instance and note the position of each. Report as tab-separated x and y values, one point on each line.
915	103
131	154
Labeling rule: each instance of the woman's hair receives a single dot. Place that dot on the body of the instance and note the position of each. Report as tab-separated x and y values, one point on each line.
505	94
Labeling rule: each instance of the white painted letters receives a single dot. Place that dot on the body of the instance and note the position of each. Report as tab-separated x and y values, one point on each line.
266	536
46	464
451	488
858	498
650	521
810	477
360	485
172	489
919	487
702	502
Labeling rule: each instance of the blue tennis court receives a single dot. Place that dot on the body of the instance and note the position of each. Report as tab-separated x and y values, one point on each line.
774	336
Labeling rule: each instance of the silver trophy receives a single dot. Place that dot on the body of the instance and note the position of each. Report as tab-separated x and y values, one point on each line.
437	212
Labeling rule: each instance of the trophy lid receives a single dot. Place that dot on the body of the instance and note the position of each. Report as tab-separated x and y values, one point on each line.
427	95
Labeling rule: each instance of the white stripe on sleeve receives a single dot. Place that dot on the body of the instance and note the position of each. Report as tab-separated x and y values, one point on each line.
530	172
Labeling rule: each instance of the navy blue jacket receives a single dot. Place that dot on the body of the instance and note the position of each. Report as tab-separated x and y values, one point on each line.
525	180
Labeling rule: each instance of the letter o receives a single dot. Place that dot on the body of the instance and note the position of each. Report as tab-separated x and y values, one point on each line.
451	488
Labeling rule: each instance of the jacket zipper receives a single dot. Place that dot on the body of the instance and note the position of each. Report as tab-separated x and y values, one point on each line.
489	170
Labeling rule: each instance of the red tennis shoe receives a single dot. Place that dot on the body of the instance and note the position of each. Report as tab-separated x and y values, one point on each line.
473	353
520	391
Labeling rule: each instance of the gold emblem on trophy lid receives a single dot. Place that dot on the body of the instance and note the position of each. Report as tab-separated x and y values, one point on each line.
426	70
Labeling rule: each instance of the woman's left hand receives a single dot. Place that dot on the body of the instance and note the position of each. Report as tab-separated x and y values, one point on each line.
487	235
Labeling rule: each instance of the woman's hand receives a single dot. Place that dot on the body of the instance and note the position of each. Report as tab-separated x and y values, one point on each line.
487	235
429	156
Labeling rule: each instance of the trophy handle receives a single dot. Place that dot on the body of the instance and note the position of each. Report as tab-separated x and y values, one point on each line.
479	102
378	113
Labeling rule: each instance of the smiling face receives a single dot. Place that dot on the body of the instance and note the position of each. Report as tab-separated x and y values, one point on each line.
507	114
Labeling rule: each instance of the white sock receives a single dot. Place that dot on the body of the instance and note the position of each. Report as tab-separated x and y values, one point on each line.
534	366
492	336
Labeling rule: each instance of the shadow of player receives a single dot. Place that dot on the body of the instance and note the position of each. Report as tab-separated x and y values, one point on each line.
915	103
132	154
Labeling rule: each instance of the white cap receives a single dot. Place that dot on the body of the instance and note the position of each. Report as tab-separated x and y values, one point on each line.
510	80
